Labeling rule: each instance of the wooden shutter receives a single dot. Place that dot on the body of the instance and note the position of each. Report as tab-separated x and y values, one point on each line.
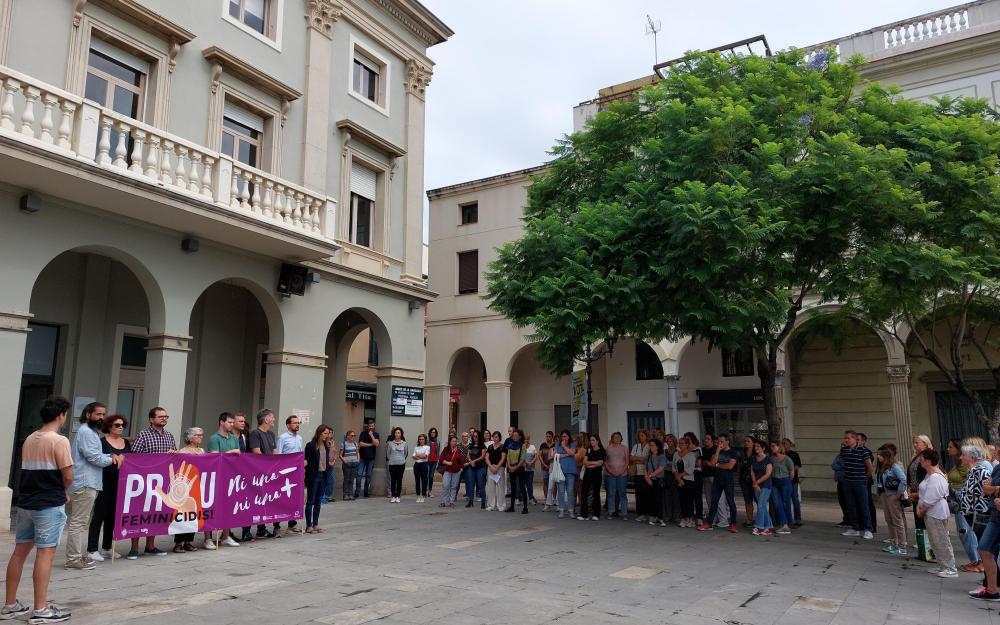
468	272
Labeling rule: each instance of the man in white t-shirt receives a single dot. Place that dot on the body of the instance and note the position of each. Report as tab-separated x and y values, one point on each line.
933	508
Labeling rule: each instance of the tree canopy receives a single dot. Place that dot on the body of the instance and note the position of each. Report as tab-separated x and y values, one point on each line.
712	205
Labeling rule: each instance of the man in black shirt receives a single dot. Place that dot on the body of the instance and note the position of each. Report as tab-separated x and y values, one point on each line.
789	447
723	464
261	441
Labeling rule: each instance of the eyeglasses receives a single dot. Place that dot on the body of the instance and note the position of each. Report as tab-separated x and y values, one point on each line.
162	416
117	425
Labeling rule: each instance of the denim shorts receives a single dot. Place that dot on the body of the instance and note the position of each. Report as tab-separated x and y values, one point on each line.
990	539
43	527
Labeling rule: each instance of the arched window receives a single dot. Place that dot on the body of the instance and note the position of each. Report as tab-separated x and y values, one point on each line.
647	363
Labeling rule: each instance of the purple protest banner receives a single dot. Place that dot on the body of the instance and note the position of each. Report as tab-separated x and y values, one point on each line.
161	494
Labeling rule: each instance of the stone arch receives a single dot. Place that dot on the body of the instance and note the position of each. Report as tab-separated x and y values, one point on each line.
264	296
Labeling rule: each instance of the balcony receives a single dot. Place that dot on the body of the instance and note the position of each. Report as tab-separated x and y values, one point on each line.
957	23
55	143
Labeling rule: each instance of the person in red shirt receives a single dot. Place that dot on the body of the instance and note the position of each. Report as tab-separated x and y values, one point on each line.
453	461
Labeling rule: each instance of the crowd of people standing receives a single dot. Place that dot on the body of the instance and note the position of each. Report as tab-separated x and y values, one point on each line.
675	481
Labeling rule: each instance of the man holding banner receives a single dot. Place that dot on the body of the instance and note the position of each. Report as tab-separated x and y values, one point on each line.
153	440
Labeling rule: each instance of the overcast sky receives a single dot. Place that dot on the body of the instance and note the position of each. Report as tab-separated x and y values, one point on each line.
505	84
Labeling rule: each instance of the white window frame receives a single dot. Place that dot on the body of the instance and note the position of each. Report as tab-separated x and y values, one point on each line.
275	15
384	75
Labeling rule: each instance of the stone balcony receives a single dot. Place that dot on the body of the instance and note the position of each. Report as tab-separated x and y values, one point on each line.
953	24
58	145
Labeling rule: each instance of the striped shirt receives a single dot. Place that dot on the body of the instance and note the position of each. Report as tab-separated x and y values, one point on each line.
854	458
43	456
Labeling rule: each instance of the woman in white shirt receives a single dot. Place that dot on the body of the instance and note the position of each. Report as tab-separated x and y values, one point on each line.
421	468
687	462
637	458
933	509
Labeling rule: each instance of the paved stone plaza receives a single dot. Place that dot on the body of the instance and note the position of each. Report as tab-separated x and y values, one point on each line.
418	563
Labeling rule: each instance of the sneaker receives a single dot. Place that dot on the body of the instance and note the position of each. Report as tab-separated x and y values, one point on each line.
595	518
51	614
851	533
581	518
973	593
887	540
421	500
783	530
704	527
935	570
14	610
889	549
560	514
546	507
901	551
106	553
230	542
767	532
132	555
652	522
81	565
868	535
642	518
96	556
982	595
210	545
265	534
155	552
948	573
732	528
756	531
662	523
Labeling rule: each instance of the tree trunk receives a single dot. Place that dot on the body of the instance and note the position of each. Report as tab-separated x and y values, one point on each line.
767	371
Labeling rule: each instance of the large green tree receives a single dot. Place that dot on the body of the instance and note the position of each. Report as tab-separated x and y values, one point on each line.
933	279
711	206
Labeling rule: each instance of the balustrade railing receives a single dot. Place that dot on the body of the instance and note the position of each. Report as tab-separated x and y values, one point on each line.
925	27
53	119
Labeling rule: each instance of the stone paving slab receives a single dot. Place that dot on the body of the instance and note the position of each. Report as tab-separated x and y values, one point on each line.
411	564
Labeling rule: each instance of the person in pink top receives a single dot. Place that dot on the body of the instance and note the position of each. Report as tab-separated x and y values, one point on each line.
616	471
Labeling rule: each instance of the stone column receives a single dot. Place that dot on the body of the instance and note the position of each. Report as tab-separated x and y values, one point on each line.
673	420
388	377
437	402
784	428
418	76
899	383
294	383
323	14
166	375
498	405
13	338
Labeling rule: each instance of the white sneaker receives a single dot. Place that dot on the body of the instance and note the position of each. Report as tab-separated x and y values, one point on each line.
641	518
948	573
230	542
420	500
594	518
867	535
851	533
209	544
545	508
96	556
106	553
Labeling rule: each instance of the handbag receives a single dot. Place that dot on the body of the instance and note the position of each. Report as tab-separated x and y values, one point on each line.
891	483
924	551
556	473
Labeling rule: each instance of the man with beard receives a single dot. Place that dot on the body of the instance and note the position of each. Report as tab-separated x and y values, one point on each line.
89	461
289	443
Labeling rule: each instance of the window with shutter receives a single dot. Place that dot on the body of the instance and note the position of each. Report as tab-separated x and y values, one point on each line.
364	186
468	272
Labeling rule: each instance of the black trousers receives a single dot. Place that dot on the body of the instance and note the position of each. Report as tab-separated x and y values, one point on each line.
842	500
104	514
396	479
590	495
518	487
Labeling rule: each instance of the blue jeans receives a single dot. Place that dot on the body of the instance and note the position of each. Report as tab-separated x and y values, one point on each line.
762	520
475	481
331	482
797	502
567	494
967	536
781	494
723	484
314	499
856	494
617	495
364	474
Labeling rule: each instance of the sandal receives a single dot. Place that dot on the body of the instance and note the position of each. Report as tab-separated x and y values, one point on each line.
179	549
318	530
972	567
310	530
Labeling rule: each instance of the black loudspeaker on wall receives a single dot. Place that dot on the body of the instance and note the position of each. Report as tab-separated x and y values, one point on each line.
292	280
